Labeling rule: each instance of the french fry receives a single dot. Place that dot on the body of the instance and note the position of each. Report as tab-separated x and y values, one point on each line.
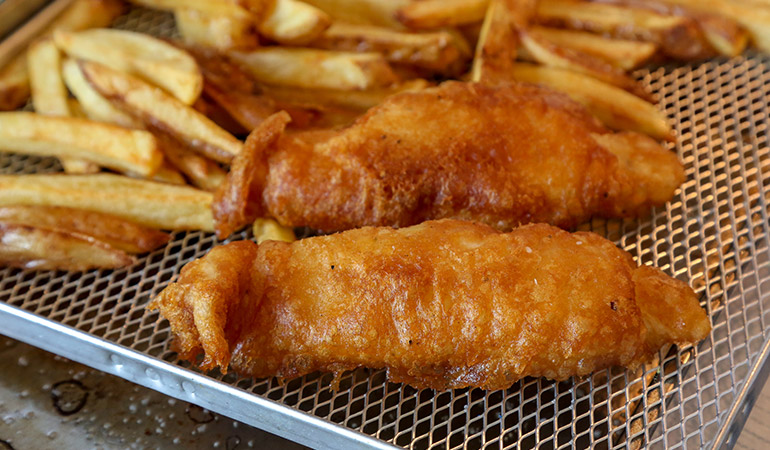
202	173
146	57
292	22
430	14
499	39
234	204
439	51
621	53
113	231
677	37
210	7
220	32
154	106
106	145
49	96
363	12
266	229
14	83
93	105
615	107
356	100
14	77
715	18
166	173
317	69
547	53
27	247
155	205
248	110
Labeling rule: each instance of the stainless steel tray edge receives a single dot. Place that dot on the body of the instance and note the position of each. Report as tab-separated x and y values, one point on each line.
178	382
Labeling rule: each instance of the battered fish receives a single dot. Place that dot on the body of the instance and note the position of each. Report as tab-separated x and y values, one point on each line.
445	304
503	156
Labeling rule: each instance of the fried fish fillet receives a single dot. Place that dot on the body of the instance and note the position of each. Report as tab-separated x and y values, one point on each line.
444	304
503	156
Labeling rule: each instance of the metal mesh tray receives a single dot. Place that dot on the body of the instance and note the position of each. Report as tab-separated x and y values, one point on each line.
713	234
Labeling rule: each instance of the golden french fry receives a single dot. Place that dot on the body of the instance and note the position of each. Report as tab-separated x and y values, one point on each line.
93	105
499	39
323	69
155	205
202	173
210	7
27	247
49	96
356	100
14	83
753	15
14	77
363	12
621	53
615	107
428	14
536	49
144	56
248	110
440	51
292	22
220	32
166	173
104	144
266	229
111	230
677	36
155	107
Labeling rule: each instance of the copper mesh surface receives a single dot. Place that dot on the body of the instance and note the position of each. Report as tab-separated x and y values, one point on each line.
713	234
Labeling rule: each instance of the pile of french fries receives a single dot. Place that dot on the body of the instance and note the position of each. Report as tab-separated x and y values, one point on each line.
145	128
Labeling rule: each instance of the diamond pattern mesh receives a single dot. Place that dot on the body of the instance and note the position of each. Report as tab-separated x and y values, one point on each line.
714	234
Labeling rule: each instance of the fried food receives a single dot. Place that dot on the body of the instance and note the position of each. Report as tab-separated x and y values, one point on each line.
445	304
503	156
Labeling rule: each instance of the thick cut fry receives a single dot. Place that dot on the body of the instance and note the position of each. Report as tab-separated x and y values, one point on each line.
151	59
553	55
220	32
237	201
248	110
621	53
677	37
167	173
155	205
292	22
356	100
107	145
499	39
429	14
155	107
49	96
442	305
14	78
212	8
363	12
438	51
718	19
14	83
93	105
310	68
265	229
202	173
28	247
615	107
117	233
723	34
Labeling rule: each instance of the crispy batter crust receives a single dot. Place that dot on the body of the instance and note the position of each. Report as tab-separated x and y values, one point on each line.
503	156
445	304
